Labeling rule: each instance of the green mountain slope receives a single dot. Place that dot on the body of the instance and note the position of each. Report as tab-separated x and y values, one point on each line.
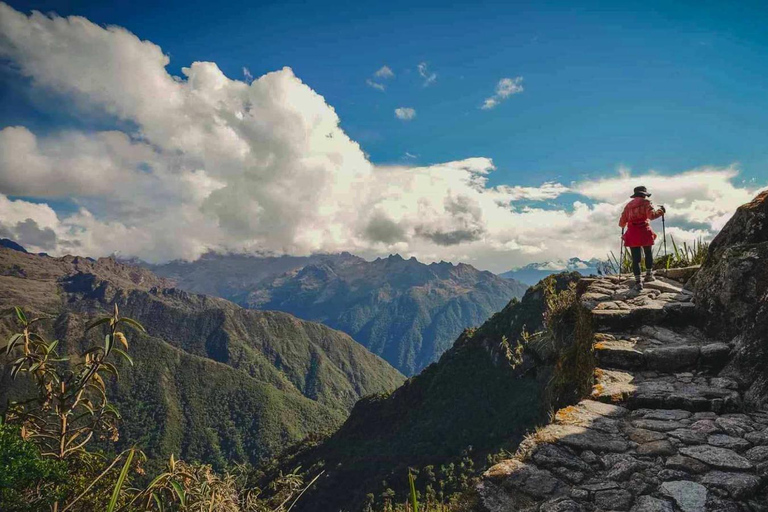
212	381
484	393
405	311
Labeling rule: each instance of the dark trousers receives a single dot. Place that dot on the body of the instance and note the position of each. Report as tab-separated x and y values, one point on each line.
637	254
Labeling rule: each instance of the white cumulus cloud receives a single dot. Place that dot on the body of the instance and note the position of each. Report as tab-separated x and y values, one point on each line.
405	113
384	72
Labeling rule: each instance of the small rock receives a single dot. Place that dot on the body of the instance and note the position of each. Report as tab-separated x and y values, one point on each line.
689	436
757	454
579	494
738	485
600	486
651	504
688	464
622	470
726	441
706	427
641	435
657	425
564	505
613	499
589	457
759	438
689	496
665	414
735	425
722	458
666	475
656	448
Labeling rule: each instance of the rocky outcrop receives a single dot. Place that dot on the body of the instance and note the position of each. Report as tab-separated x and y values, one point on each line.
732	292
664	430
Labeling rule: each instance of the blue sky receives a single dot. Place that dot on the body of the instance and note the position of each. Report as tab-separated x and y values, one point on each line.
605	86
668	86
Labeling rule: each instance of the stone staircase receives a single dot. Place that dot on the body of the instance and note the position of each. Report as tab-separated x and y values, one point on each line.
661	431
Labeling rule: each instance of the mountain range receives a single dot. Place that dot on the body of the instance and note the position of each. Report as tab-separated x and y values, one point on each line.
212	381
534	272
403	310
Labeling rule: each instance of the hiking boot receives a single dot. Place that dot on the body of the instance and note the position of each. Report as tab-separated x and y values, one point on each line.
638	285
649	277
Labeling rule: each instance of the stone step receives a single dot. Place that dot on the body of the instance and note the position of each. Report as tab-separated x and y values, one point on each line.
659	349
653	390
616	305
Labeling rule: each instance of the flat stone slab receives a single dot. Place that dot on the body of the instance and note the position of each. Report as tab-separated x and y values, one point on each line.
721	458
584	438
689	496
738	485
651	390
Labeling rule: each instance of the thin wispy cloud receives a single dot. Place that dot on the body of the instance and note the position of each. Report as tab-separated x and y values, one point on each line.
376	85
428	76
247	75
405	113
504	89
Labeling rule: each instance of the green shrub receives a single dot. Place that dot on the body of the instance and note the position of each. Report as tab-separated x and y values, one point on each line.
28	481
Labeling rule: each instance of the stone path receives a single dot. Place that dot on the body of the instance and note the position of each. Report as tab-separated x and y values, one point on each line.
661	431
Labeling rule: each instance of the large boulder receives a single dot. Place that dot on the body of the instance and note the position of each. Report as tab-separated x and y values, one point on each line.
732	290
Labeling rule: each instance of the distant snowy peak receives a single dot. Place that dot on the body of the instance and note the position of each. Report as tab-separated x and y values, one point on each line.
563	265
534	272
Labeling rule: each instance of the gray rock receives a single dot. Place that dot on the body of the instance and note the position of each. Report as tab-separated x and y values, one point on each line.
759	438
641	435
689	496
656	448
564	505
738	485
722	458
715	355
586	438
688	464
600	486
726	441
664	414
658	425
669	359
651	504
735	425
672	474
613	499
757	454
552	456
624	469
706	427
689	436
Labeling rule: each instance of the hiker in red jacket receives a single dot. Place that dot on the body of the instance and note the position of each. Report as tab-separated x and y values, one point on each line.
639	237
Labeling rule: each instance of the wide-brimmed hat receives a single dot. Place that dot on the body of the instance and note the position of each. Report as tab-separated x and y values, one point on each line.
641	192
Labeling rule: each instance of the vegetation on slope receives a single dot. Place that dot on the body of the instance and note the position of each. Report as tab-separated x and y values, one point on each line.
212	382
495	384
48	439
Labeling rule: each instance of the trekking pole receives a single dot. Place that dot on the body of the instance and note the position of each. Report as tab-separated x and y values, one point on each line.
621	252
664	231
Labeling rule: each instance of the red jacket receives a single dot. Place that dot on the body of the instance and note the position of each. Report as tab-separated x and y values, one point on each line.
637	217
